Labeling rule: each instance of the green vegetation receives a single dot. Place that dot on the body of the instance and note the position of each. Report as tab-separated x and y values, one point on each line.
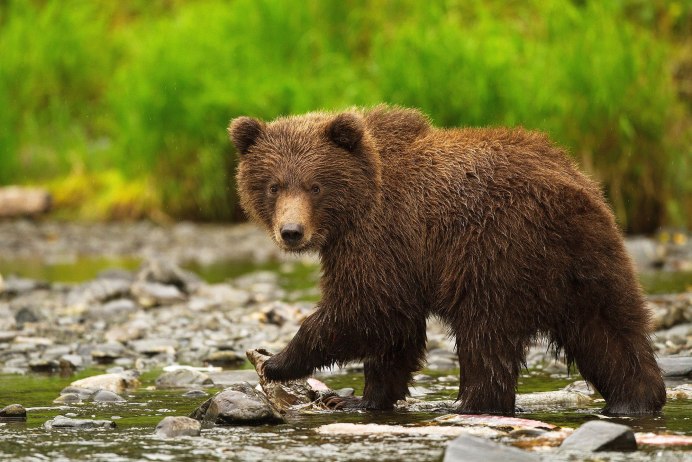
121	107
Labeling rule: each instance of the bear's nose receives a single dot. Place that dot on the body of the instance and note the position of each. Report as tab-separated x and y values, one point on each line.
292	233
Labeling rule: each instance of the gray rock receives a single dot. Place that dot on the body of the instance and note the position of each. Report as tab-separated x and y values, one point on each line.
168	273
195	394
646	252
117	383
171	427
105	396
469	448
44	365
228	378
106	353
154	346
81	392
598	435
74	361
675	366
68	398
13	413
345	392
183	378
225	358
97	291
151	294
237	405
544	400
62	422
14	285
581	386
113	310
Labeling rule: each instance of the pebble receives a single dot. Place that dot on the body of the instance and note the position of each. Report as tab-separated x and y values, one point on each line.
675	366
105	396
172	427
183	378
62	422
117	383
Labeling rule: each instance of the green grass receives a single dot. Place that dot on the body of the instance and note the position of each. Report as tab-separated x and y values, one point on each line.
121	107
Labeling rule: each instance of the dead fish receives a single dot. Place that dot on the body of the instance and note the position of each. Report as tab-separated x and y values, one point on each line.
493	421
652	439
284	395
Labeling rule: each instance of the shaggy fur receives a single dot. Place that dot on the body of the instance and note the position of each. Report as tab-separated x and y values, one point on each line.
492	230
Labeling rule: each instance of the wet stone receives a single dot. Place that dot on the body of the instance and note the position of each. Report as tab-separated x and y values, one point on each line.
62	422
81	392
105	396
195	394
580	386
68	398
469	448
171	427
117	383
150	294
44	366
237	405
675	366
225	358
13	413
598	435
151	347
183	378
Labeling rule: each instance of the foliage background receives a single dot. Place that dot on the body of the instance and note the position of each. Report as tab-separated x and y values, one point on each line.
120	108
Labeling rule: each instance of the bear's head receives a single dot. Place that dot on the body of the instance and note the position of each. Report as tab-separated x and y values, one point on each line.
309	178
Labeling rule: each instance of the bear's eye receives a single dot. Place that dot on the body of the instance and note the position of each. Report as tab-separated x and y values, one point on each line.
273	189
315	189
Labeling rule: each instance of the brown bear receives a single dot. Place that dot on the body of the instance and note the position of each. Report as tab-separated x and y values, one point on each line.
494	231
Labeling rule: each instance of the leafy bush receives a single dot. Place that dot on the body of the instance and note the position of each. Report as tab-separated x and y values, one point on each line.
135	96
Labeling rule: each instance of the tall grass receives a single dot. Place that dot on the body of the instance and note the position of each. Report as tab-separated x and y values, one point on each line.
135	97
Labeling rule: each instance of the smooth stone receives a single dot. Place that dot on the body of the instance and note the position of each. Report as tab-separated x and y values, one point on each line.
469	448
597	435
117	383
151	294
166	272
345	392
235	377
581	386
44	365
675	366
75	361
683	391
60	422
68	398
171	427
225	358
183	378
13	413
154	346
552	400
105	396
81	392
195	394
237	405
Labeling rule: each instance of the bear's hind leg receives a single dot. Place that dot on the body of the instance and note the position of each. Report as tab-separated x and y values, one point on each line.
621	365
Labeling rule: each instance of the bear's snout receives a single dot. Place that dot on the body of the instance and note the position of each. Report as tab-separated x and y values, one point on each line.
292	228
292	233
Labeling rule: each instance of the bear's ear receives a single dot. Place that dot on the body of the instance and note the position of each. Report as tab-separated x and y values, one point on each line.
346	130
244	132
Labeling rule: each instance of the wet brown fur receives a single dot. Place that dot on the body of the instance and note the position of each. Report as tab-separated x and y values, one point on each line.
494	231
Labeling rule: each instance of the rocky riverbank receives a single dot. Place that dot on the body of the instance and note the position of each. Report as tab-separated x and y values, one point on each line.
161	316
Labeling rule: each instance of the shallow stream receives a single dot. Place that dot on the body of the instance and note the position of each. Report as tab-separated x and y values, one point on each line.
133	439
